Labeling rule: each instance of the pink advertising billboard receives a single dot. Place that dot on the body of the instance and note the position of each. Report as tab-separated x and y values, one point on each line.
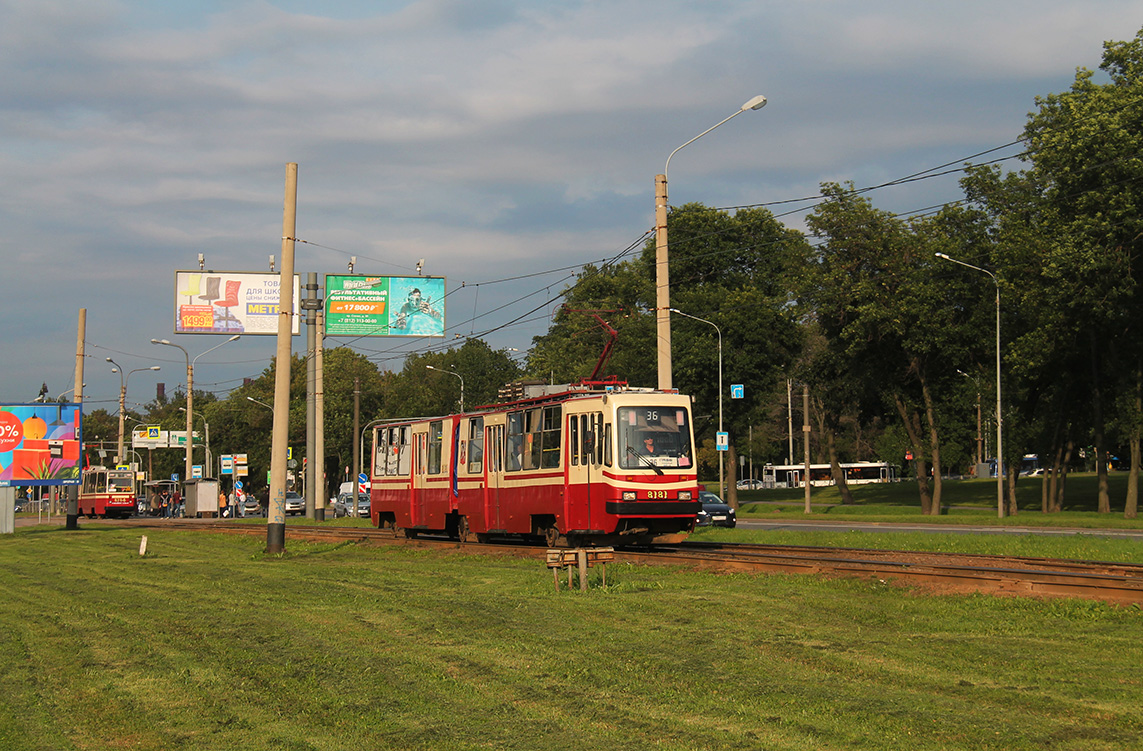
40	444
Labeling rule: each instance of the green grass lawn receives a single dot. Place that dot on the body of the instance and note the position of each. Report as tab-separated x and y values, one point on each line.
207	643
962	501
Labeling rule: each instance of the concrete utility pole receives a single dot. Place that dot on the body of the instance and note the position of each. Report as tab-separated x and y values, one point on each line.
806	438
319	416
276	523
72	521
309	304
356	450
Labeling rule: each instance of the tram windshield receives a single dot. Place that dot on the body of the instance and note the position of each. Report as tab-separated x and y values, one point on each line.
120	482
654	437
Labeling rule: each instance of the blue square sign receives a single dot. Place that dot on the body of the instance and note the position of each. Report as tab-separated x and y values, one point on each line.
737	391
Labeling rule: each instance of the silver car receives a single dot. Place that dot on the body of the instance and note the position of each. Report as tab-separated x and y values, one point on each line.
343	506
295	504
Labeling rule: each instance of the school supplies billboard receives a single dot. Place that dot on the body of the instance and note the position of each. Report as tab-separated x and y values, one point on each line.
384	305
40	444
230	302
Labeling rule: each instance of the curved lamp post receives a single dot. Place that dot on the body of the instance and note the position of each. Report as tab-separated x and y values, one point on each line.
721	480
999	432
190	393
662	273
122	399
458	375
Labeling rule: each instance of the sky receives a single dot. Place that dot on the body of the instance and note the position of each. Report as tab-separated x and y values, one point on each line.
505	142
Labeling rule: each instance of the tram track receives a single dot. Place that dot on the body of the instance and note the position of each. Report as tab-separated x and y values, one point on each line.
1116	583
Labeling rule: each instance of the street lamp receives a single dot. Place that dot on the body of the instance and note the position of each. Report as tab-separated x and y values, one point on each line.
458	375
190	393
122	397
662	273
721	481
264	404
999	432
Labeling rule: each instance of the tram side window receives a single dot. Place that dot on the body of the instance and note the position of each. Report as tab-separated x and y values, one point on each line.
598	438
573	440
89	481
404	461
475	443
435	442
515	441
496	448
607	444
532	433
381	452
552	435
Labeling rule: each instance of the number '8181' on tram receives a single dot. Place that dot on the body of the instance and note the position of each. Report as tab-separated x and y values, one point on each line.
576	465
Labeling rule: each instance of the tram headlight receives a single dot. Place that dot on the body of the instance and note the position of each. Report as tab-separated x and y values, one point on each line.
629	495
684	495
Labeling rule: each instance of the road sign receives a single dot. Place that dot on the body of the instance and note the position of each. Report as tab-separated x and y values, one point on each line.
153	432
175	477
737	391
722	441
362	479
196	470
238	485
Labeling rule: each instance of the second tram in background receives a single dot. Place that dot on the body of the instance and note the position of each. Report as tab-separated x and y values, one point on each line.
107	492
585	464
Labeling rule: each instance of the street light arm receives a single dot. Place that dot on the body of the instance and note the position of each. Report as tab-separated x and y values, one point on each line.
947	257
453	373
756	103
228	341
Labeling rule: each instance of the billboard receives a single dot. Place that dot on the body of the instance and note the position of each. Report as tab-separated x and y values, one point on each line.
40	444
384	305
230	302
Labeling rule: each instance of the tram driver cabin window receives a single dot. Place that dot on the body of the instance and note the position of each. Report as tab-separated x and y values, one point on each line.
653	436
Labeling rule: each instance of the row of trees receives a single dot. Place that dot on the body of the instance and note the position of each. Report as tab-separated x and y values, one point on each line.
895	344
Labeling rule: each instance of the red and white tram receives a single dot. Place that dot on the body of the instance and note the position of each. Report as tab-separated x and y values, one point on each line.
577	465
107	492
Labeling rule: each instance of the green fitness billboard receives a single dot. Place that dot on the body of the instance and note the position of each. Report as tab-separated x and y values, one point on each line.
384	305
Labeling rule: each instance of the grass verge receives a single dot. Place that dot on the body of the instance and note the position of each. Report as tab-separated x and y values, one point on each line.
207	643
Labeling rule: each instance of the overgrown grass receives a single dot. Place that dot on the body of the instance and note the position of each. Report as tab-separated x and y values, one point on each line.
207	643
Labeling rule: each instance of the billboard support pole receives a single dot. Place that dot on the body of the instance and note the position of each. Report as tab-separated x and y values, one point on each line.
311	390
319	418
72	521
276	523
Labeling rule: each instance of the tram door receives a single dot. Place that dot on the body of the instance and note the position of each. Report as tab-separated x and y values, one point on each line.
494	486
417	511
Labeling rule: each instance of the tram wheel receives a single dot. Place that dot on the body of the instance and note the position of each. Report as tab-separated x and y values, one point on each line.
410	534
462	531
551	537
